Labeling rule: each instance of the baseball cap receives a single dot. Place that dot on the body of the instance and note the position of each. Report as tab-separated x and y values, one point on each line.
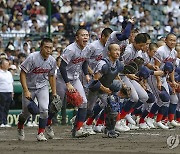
3	56
11	47
60	24
19	14
13	67
36	3
168	66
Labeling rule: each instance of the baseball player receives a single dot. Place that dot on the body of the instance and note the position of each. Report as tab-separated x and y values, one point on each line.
96	49
119	38
104	74
36	70
138	94
73	60
164	54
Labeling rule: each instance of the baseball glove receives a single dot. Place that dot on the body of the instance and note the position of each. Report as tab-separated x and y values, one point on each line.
139	61
55	105
74	98
130	68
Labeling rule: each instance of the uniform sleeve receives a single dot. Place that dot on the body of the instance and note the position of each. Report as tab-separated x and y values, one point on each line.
125	34
52	71
27	65
67	55
127	55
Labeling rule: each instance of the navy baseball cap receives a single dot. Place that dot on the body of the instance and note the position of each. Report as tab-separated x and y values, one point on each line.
168	67
144	72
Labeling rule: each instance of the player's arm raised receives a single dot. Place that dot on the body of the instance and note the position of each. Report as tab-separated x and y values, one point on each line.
27	94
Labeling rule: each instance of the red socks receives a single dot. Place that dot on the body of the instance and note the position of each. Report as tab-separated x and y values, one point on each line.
20	126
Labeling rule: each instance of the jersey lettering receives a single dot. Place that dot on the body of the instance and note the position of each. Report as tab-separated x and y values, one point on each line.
78	60
39	70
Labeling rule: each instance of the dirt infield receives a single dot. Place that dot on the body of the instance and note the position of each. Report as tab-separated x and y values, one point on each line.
138	141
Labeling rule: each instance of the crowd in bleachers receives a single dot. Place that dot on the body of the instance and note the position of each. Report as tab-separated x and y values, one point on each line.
24	22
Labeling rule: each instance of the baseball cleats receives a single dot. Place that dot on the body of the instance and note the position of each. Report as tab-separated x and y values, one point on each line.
79	133
174	123
41	137
161	125
150	122
21	135
144	126
132	127
34	124
99	128
129	118
89	129
50	132
121	126
110	134
29	124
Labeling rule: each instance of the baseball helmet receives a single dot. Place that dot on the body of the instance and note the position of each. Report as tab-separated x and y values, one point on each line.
168	67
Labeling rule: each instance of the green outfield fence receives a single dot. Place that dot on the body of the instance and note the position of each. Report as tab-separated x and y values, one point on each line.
14	115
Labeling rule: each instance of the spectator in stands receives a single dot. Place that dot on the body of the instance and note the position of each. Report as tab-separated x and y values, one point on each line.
13	69
158	30
3	4
35	28
148	17
18	31
25	49
10	26
21	57
18	6
6	91
33	49
4	31
54	25
4	18
35	8
66	7
143	28
42	17
139	14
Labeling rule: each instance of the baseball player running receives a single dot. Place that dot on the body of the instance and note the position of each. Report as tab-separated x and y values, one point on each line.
73	61
138	94
164	54
36	70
